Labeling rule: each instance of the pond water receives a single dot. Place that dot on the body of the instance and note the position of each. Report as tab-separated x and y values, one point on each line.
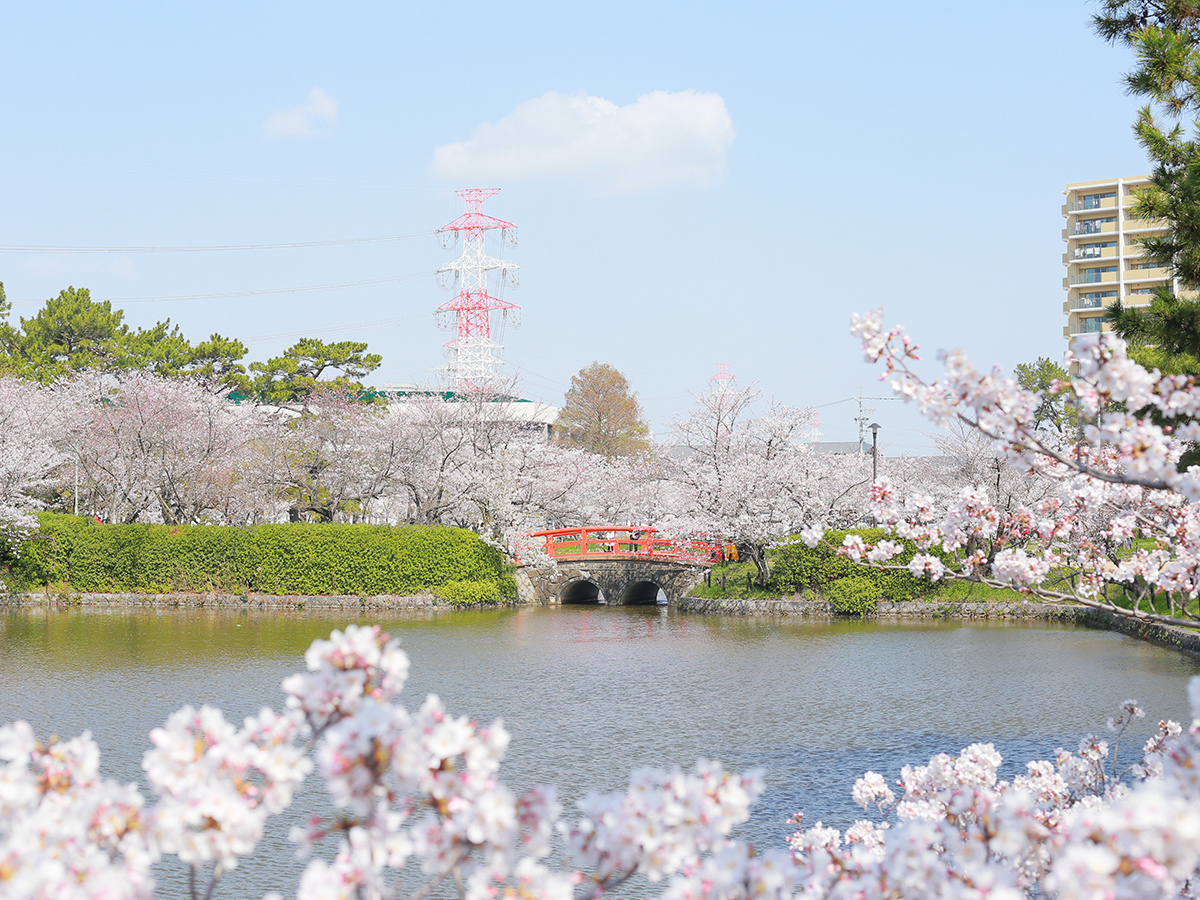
590	693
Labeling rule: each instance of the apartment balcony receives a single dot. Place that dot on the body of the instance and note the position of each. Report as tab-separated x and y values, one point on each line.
1084	205
1092	278
1083	253
1158	273
1091	303
1141	226
1086	228
1086	326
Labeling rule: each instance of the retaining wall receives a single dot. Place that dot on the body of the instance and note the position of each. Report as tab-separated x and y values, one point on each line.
1164	635
224	601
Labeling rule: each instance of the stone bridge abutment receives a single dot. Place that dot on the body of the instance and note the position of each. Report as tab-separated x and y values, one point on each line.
621	582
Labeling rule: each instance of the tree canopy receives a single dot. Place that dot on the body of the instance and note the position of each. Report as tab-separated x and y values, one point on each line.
1045	378
296	375
1165	38
74	333
602	415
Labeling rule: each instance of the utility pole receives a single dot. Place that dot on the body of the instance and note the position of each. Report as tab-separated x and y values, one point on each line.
875	426
864	416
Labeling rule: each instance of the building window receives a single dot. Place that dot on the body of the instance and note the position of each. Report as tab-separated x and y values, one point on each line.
1094	226
1093	299
1093	201
1093	251
1093	276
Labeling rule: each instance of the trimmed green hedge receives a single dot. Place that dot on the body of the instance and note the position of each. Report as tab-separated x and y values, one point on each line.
354	560
796	567
469	593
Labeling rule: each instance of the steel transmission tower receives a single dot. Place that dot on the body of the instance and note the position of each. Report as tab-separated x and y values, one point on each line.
474	363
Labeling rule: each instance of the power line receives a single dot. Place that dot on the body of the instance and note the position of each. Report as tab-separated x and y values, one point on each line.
335	329
225	295
141	169
30	248
524	372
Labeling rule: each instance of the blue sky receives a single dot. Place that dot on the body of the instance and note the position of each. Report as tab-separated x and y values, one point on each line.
694	182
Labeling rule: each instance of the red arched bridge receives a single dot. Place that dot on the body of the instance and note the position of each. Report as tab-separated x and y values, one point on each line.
619	565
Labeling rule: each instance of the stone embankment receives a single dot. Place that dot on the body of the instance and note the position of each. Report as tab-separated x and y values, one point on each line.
1164	635
222	601
913	609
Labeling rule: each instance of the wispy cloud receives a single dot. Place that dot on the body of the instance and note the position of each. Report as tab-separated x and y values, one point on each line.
312	119
663	139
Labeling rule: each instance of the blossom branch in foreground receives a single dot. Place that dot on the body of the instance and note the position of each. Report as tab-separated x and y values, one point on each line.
1118	520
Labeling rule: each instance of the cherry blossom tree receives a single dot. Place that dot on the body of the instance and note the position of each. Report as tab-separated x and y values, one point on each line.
32	424
756	479
329	461
1119	519
442	443
534	485
460	456
151	448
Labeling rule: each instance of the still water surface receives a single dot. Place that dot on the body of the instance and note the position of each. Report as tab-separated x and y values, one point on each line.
590	693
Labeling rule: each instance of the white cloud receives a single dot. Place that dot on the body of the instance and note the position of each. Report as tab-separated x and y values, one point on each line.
660	140
314	118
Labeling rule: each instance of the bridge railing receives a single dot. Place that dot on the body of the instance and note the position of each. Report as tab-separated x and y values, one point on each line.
615	542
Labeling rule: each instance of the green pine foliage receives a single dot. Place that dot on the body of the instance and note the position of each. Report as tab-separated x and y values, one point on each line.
348	560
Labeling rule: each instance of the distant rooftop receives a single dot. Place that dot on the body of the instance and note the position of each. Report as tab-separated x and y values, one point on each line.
838	447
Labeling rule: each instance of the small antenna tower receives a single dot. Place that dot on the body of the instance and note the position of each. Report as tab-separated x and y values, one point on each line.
474	360
724	378
864	417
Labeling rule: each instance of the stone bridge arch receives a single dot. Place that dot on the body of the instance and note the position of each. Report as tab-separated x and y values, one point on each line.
623	582
581	590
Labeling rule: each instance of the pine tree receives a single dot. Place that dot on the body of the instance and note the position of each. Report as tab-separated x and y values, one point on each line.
1165	38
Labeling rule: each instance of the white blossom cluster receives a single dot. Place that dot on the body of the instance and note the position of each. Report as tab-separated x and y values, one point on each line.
1071	828
1112	506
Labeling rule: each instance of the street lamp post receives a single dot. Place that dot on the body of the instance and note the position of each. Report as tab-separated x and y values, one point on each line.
874	426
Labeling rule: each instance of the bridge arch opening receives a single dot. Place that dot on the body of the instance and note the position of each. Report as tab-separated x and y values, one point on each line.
581	591
640	593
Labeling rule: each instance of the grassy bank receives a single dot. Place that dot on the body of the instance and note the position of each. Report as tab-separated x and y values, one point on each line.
819	573
735	587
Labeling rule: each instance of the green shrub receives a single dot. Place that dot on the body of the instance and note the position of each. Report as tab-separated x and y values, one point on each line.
470	593
354	560
508	588
795	567
853	596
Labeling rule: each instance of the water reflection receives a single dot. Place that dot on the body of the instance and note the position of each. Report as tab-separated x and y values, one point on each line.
590	692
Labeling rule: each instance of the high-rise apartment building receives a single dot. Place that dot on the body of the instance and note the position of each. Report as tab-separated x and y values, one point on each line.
1104	259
